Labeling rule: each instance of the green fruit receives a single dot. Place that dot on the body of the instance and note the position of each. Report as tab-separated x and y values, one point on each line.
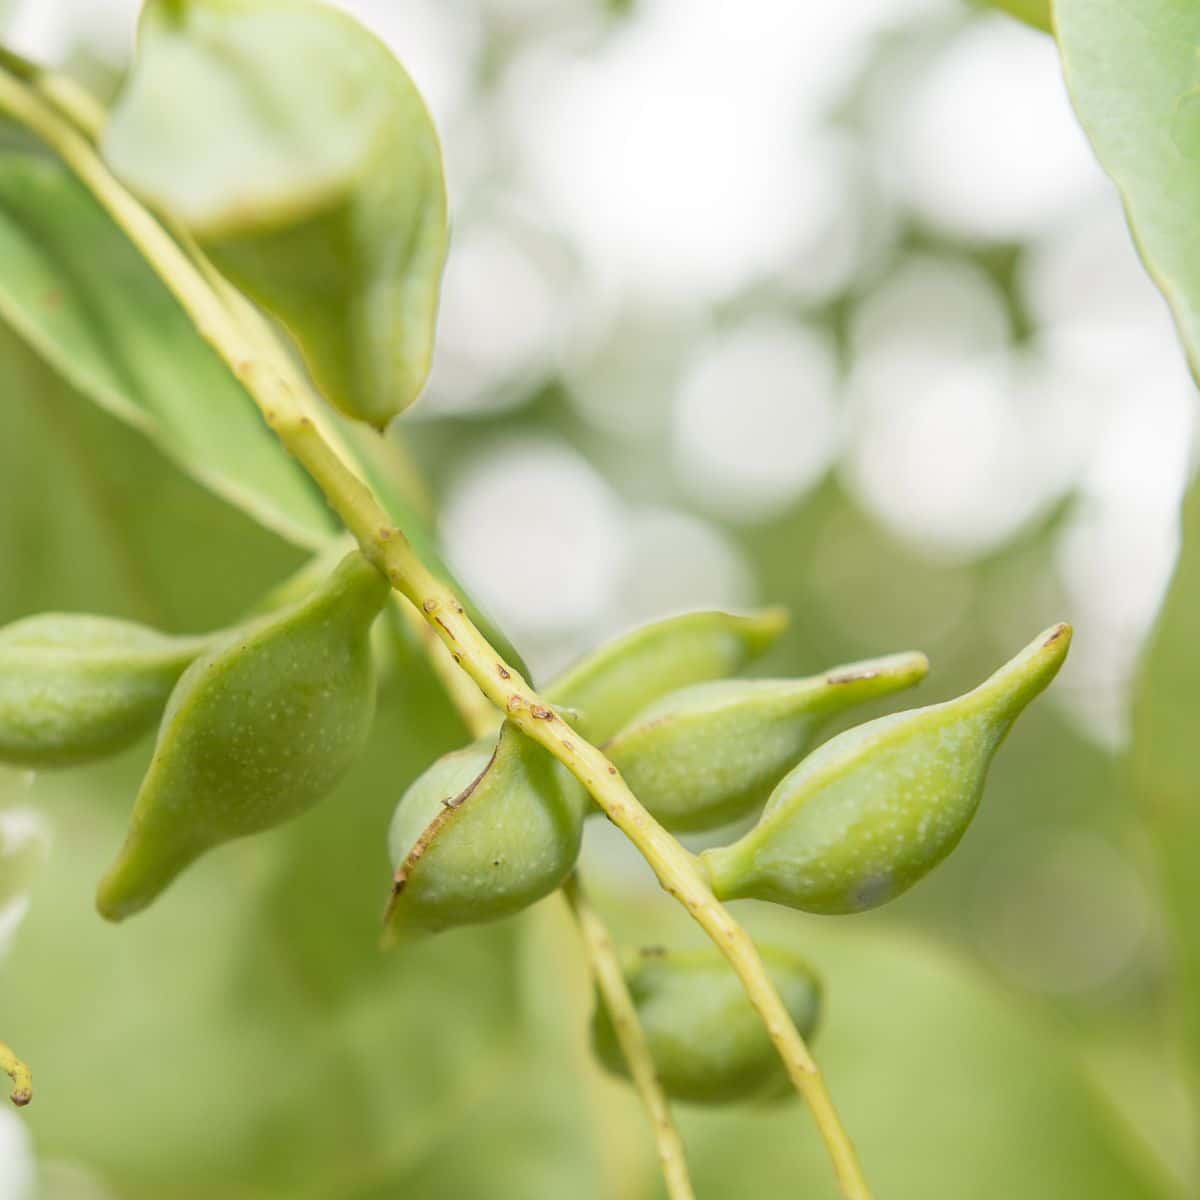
290	142
308	578
710	754
484	833
707	1041
75	688
876	808
614	683
258	730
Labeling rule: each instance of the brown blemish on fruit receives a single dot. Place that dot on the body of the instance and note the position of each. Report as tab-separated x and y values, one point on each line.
851	677
541	714
429	605
429	834
504	674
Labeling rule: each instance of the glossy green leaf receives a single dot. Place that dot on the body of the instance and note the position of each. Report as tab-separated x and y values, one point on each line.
294	146
1131	70
876	808
708	755
612	684
81	296
708	1044
484	833
257	731
75	687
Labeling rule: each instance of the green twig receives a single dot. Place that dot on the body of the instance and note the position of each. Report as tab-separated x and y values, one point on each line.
19	1073
286	411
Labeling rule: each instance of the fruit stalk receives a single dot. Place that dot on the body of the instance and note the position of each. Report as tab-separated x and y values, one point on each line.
610	980
19	1073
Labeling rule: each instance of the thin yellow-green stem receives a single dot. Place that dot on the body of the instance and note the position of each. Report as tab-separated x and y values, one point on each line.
19	1073
603	959
610	979
286	411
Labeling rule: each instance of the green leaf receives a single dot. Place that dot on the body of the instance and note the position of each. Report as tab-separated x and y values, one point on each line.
293	145
1032	12
1166	765
1132	69
77	292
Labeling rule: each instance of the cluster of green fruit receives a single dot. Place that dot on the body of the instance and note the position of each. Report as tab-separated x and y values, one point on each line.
258	723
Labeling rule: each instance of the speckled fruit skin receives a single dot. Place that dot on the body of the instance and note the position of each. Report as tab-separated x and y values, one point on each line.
708	1043
613	684
258	730
482	834
875	809
75	688
708	755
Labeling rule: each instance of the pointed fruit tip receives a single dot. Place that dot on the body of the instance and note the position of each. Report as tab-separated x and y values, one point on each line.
767	624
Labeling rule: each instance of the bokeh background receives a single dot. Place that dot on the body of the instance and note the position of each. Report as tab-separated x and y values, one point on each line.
822	305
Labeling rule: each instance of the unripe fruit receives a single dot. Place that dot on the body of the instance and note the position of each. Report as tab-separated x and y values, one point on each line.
483	833
708	1043
75	688
258	730
874	809
616	682
710	754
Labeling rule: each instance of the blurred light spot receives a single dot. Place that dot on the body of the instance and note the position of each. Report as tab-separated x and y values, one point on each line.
1084	274
673	562
625	381
500	324
957	452
756	423
990	148
679	152
17	1167
39	29
536	535
24	843
1061	914
940	302
850	233
1115	557
439	45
